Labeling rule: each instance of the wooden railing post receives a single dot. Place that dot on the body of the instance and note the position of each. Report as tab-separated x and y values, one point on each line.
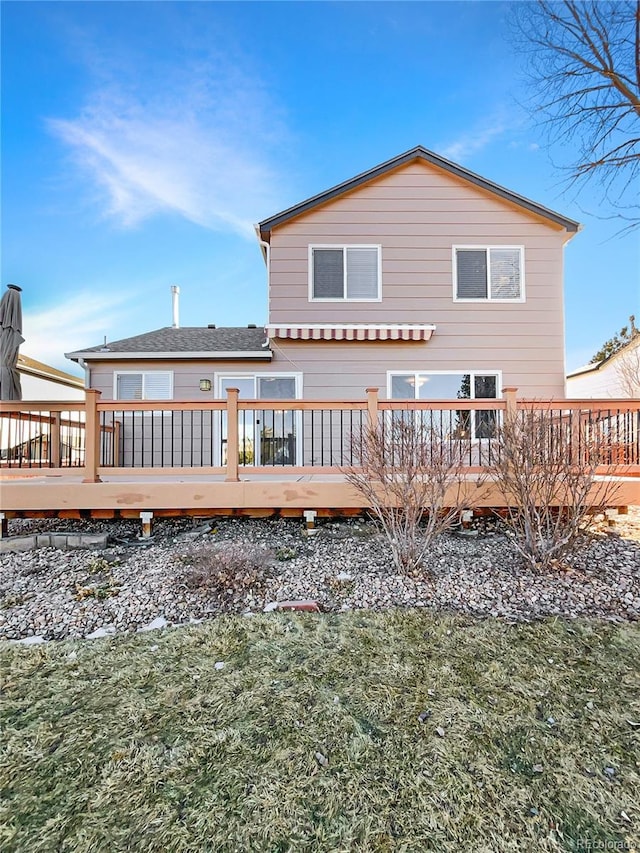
509	395
233	445
54	440
372	407
91	436
578	429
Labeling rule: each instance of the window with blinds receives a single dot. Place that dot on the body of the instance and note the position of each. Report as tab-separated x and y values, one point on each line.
146	385
345	273
493	273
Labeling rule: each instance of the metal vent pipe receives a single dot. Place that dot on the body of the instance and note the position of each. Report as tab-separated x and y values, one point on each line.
175	299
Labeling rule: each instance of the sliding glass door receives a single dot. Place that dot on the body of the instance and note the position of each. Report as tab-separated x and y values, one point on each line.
265	436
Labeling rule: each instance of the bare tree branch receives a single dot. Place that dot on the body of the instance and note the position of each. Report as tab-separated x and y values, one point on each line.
584	67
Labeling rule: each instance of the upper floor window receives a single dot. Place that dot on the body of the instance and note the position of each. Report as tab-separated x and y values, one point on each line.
489	273
344	273
146	385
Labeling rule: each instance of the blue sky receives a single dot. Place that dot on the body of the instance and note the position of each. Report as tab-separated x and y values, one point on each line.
141	141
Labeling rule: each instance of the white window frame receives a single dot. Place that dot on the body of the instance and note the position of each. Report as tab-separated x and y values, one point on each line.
143	373
236	374
344	247
472	373
487	248
288	374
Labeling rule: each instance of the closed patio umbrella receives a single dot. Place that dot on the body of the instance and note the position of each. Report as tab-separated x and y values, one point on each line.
10	340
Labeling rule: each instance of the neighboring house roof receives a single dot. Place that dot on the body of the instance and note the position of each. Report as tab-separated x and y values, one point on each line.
40	370
183	343
598	365
417	153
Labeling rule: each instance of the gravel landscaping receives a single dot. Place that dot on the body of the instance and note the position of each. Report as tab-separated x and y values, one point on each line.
136	584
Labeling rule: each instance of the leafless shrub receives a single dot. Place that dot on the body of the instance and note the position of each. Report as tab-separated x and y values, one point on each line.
413	481
544	463
227	569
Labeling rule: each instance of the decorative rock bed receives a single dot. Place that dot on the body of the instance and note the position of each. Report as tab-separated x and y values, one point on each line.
135	584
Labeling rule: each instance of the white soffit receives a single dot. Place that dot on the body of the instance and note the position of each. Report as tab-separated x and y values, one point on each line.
353	332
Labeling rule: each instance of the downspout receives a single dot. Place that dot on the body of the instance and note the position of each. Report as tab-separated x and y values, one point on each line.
266	253
266	247
87	372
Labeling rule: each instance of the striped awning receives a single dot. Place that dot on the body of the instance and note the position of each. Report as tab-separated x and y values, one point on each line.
353	332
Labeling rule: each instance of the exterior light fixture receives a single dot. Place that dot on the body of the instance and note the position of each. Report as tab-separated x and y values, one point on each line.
205	385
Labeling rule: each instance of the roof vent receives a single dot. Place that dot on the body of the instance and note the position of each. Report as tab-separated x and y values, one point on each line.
252	326
211	326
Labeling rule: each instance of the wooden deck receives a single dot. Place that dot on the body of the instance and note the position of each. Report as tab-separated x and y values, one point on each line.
256	494
182	457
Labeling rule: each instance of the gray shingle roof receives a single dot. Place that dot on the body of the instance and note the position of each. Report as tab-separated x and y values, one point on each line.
190	339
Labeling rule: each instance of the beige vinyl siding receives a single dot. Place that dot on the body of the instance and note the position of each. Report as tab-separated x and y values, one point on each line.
417	213
186	374
337	370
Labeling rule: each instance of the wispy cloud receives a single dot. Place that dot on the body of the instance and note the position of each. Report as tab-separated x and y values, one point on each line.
508	128
473	141
70	324
202	145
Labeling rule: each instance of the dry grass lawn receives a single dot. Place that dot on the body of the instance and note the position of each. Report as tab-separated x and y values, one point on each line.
364	732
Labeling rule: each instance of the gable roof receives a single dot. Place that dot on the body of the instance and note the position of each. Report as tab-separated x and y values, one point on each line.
598	365
183	343
417	153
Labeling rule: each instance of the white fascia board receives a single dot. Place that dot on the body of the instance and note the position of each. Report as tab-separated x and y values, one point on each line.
262	355
71	382
588	368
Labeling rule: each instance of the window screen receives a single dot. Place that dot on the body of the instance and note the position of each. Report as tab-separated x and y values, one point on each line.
277	388
403	387
472	273
129	386
485	387
328	274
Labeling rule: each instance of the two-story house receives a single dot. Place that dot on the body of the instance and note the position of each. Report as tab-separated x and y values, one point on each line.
417	277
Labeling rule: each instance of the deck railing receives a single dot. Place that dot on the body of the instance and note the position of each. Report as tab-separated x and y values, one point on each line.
233	436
